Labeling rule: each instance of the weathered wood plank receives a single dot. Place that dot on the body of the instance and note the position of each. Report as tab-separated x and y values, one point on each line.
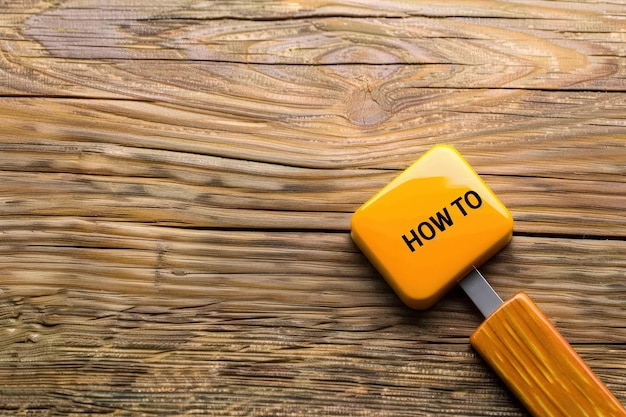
100	51
147	162
131	305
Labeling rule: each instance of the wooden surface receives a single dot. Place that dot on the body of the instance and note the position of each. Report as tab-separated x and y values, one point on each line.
177	179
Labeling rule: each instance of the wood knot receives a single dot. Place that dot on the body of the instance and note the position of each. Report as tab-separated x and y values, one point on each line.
367	68
364	109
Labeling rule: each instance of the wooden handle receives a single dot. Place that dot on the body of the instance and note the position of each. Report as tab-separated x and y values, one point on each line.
539	366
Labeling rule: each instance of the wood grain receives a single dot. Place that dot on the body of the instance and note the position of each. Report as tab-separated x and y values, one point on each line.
520	343
177	180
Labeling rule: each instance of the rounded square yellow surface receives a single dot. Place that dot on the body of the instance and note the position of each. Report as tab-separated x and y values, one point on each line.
430	226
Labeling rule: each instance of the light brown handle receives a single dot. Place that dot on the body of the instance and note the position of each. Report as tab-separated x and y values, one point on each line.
539	366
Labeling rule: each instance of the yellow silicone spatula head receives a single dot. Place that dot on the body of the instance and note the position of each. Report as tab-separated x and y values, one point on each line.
430	226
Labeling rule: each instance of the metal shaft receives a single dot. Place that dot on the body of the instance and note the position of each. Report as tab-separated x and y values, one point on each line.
480	292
